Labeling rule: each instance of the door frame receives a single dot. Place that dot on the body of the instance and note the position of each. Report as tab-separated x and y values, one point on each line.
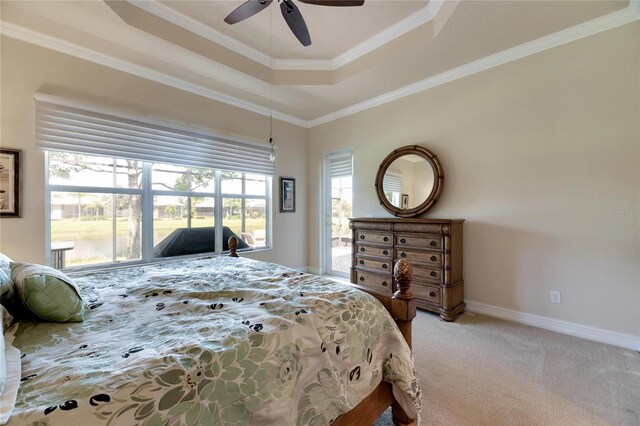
326	212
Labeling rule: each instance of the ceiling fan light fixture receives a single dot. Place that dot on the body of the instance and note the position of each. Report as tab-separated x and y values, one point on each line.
290	12
272	154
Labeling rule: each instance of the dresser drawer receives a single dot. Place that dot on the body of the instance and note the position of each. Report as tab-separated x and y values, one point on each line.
427	274
374	264
434	259
429	293
376	282
374	237
373	251
433	242
434	248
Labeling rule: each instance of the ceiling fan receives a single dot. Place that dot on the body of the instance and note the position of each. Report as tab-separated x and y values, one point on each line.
290	12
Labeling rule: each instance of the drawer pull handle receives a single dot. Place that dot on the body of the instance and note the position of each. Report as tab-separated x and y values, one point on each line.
432	294
361	262
402	240
385	239
386	252
403	254
384	266
433	273
362	249
361	278
362	237
433	243
384	283
433	258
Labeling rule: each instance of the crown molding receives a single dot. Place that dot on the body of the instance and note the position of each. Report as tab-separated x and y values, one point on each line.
43	40
595	26
303	65
634	5
396	30
168	14
586	29
411	22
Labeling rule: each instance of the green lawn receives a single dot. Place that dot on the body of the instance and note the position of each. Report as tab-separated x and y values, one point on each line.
75	230
93	239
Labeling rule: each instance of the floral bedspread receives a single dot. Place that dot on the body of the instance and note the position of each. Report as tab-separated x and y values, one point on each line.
211	341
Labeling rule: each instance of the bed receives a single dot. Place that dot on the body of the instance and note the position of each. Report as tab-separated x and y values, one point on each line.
220	340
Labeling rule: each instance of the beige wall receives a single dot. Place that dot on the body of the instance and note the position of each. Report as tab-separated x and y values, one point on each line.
540	156
27	69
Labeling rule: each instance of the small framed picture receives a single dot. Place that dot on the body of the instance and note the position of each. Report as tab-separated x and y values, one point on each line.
404	203
287	195
10	182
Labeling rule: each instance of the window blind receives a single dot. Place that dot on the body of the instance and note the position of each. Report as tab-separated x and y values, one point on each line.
391	182
67	128
341	165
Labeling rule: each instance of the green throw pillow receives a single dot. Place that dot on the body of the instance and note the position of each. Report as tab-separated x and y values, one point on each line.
47	292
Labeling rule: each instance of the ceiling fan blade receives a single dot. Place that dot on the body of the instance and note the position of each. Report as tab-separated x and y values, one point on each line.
296	23
246	10
338	3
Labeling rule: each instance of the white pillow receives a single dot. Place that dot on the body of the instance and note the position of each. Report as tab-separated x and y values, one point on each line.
3	362
4	262
6	283
10	367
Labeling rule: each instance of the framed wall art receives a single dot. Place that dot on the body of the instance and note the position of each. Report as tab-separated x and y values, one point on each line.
287	195
10	182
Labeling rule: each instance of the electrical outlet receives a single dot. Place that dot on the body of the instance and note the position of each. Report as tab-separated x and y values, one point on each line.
555	297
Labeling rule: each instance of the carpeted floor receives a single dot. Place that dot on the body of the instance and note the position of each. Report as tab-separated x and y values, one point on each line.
485	371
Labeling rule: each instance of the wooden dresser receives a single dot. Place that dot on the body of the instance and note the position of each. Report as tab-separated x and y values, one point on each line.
432	246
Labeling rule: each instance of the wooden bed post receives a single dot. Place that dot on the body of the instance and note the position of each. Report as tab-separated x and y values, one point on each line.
403	310
233	246
403	304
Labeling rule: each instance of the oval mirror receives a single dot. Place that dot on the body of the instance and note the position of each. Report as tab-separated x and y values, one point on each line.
409	181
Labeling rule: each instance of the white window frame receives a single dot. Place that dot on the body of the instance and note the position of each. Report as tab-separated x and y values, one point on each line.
147	193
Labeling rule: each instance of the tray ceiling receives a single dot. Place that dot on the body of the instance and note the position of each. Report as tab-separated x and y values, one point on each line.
333	30
360	56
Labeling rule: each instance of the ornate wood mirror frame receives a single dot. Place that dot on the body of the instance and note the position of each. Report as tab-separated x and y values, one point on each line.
438	180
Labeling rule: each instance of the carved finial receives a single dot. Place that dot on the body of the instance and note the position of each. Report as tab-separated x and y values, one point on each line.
233	246
403	273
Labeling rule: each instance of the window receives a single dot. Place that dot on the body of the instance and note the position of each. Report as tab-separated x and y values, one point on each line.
95	209
244	198
391	185
183	197
107	210
129	189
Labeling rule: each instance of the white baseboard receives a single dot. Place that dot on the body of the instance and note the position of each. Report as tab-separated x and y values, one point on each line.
622	340
626	341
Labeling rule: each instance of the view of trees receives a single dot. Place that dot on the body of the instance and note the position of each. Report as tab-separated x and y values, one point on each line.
65	165
92	208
